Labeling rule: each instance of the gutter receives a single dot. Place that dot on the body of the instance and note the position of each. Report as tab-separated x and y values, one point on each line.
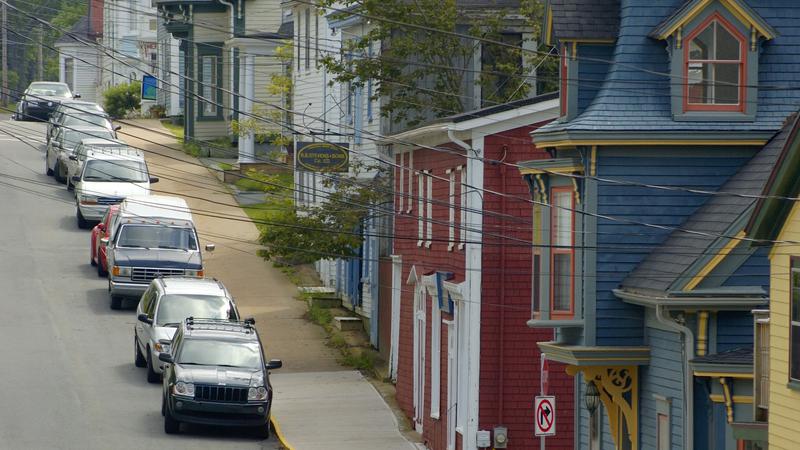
663	317
712	303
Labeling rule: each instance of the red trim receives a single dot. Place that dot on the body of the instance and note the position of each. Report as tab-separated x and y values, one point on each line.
739	107
571	251
564	74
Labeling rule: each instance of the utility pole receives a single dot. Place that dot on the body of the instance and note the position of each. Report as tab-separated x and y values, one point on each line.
4	94
40	71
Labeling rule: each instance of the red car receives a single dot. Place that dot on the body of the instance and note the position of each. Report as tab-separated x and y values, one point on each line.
100	231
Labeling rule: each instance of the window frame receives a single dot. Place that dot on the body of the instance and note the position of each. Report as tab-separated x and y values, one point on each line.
794	267
562	314
203	51
742	63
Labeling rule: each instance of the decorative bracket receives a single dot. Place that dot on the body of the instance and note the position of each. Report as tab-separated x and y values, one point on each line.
619	391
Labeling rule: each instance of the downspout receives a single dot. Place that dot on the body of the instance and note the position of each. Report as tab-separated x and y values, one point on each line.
662	316
229	4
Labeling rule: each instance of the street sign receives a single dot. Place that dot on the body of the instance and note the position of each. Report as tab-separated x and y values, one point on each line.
545	415
149	87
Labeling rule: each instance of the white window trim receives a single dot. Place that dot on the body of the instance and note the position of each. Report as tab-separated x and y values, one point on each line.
410	182
451	233
420	208
663	409
429	210
452	378
429	281
401	177
419	356
462	220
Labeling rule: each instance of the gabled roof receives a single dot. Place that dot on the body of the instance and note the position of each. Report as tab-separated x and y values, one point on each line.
683	254
770	214
78	31
581	20
692	8
635	97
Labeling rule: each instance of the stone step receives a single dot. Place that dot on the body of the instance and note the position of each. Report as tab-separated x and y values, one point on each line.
324	302
347	323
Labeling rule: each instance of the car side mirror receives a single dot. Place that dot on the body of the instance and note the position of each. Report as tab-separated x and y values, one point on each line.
118	127
143	318
165	343
76	96
75	178
102	227
73	157
104	241
165	357
153	180
211	247
274	364
250	320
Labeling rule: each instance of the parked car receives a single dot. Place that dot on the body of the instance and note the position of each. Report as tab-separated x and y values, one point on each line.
205	354
107	178
76	120
99	239
72	107
63	145
41	98
89	148
165	305
151	236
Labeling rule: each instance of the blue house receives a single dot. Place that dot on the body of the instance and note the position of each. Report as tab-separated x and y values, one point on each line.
672	117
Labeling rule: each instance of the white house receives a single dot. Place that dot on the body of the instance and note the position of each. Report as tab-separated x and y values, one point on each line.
78	62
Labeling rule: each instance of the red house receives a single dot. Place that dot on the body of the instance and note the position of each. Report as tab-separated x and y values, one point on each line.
464	360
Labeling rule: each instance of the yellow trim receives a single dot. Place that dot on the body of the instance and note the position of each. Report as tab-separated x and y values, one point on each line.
279	434
562	169
577	142
711	265
719	398
702	333
726	392
574	50
593	161
733	8
723	375
548	32
614	384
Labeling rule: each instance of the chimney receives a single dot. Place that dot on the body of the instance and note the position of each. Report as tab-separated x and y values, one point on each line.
95	18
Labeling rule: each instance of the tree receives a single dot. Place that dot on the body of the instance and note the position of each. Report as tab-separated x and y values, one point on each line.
119	100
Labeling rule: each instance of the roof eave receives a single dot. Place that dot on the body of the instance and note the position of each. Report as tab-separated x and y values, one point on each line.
690	10
722	303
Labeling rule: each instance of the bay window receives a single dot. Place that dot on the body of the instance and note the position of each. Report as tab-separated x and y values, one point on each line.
562	262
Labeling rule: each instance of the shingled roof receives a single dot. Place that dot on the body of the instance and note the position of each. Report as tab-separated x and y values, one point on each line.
78	33
666	264
585	19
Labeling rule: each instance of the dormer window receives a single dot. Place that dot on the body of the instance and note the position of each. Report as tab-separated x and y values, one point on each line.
715	67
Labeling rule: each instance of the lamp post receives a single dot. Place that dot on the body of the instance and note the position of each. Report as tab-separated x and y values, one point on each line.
591	397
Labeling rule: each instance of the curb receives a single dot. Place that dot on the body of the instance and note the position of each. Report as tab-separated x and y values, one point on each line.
279	434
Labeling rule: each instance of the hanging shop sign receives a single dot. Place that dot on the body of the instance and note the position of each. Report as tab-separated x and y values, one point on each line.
149	87
322	157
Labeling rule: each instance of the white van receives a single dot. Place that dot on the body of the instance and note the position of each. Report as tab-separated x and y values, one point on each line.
107	179
90	148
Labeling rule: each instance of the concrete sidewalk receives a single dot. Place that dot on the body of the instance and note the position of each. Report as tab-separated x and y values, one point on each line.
318	403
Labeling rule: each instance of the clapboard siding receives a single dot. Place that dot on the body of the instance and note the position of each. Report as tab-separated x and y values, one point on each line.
753	272
85	70
664	377
212	27
592	71
623	245
262	16
734	330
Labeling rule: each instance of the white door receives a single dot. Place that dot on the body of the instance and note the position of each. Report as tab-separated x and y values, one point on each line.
419	357
452	383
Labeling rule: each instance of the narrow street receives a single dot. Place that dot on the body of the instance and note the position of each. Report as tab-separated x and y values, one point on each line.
69	381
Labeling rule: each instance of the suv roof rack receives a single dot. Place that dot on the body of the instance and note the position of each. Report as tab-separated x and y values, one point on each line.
244	326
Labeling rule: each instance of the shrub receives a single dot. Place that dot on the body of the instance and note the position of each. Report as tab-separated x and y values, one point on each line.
157	112
121	99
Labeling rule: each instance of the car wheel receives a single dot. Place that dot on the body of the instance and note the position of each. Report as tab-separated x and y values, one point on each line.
116	302
152	376
264	431
91	258
47	168
70	186
59	174
138	359
171	426
82	222
101	271
163	406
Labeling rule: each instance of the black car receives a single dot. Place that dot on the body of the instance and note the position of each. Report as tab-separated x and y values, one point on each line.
41	99
215	374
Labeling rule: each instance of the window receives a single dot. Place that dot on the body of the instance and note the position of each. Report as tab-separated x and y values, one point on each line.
429	200
420	208
538	242
714	72
463	206
400	183
794	343
209	78
369	88
69	73
308	38
410	194
436	360
451	219
562	252
761	365
132	14
662	432
299	47
316	39
153	25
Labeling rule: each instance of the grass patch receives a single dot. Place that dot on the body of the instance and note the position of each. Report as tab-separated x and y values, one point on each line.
246	184
192	149
363	360
177	130
225	166
320	316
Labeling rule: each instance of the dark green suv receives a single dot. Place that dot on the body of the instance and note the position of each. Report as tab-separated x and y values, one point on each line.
216	375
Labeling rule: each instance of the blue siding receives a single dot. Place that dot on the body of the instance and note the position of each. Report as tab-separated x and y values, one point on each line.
592	71
754	271
734	330
663	376
622	246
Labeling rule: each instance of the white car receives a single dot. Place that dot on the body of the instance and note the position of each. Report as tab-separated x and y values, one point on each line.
89	148
166	304
63	145
107	179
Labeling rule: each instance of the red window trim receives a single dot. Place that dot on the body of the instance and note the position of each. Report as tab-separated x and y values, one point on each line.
554	250
564	74
739	107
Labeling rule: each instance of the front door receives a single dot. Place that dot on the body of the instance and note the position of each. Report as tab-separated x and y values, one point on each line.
419	357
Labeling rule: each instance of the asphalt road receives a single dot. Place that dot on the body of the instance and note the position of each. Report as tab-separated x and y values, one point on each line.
67	379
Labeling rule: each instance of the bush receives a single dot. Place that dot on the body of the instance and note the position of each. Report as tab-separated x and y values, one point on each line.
121	99
157	112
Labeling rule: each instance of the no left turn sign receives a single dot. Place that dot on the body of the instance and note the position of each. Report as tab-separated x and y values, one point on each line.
545	415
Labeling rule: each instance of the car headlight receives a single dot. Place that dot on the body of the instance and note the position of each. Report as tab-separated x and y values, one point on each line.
183	389
161	348
49	103
88	200
259	393
121	271
194	273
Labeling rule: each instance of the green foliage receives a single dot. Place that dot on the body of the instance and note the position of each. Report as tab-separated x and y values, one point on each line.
363	360
192	149
123	98
320	316
157	111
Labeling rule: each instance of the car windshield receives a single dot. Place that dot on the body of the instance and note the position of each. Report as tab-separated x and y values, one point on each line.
72	137
175	308
220	353
87	120
157	236
50	90
121	170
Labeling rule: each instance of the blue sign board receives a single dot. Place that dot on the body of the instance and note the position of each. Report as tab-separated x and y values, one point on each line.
445	302
149	87
322	157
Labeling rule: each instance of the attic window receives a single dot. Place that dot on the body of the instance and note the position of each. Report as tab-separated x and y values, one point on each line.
715	67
